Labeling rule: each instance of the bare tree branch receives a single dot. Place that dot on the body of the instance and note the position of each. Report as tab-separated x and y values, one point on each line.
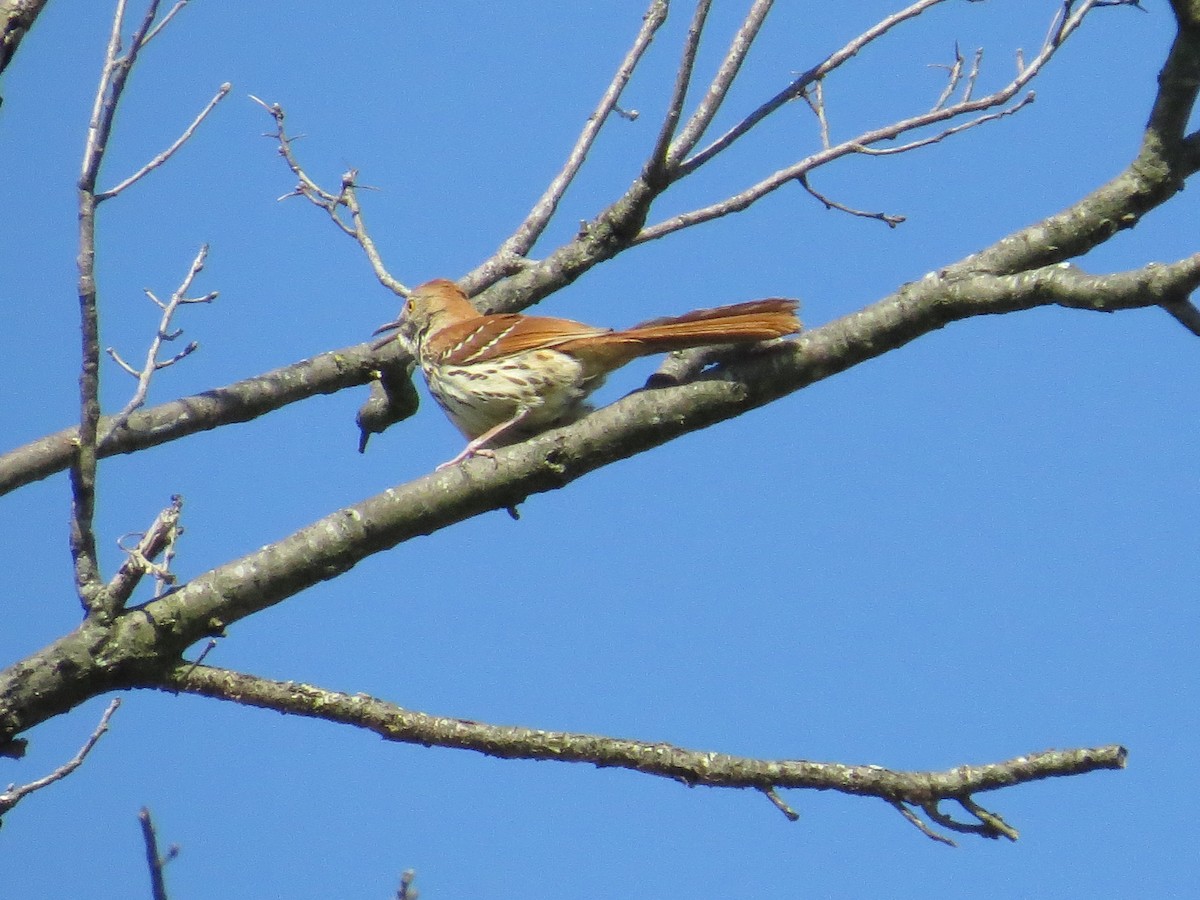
114	74
155	862
332	203
137	646
83	469
14	795
800	85
518	245
718	90
16	18
242	401
165	155
164	333
689	767
657	164
160	538
918	823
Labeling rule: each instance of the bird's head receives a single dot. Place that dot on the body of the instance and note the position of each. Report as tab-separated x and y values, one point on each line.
430	307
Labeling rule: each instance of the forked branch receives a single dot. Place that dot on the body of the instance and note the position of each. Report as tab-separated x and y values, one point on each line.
163	334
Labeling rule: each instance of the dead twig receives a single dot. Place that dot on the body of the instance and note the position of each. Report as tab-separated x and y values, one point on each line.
15	794
156	862
346	197
165	155
159	539
162	335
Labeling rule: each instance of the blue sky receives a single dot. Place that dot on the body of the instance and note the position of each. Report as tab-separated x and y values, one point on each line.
979	546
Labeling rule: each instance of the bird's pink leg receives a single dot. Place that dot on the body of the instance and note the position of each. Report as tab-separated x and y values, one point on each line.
477	448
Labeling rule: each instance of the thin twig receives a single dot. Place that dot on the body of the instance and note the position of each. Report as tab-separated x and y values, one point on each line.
349	199
947	132
406	890
15	795
920	824
163	334
165	155
814	96
987	825
864	143
164	21
989	819
798	85
332	203
954	75
154	861
778	802
703	117
1186	314
159	538
527	233
657	165
890	219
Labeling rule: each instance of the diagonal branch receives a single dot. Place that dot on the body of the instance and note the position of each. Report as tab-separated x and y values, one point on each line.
100	657
1166	160
242	401
718	90
689	767
658	165
166	154
15	794
523	239
16	18
939	115
801	84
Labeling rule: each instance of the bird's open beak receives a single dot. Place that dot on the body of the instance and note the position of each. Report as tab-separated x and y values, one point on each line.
382	342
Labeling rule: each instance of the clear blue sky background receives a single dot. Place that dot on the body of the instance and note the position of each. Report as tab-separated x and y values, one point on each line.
979	546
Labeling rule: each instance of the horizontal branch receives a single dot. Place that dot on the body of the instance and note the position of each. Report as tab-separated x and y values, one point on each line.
691	767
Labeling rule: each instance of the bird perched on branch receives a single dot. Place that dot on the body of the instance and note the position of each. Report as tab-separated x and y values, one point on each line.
507	376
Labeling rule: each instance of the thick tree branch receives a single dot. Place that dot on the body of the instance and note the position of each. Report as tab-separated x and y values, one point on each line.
144	641
242	401
1167	158
16	18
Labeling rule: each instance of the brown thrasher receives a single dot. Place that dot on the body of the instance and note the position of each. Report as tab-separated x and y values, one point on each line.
510	375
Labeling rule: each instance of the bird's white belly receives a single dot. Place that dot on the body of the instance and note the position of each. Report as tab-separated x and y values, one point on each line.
545	385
